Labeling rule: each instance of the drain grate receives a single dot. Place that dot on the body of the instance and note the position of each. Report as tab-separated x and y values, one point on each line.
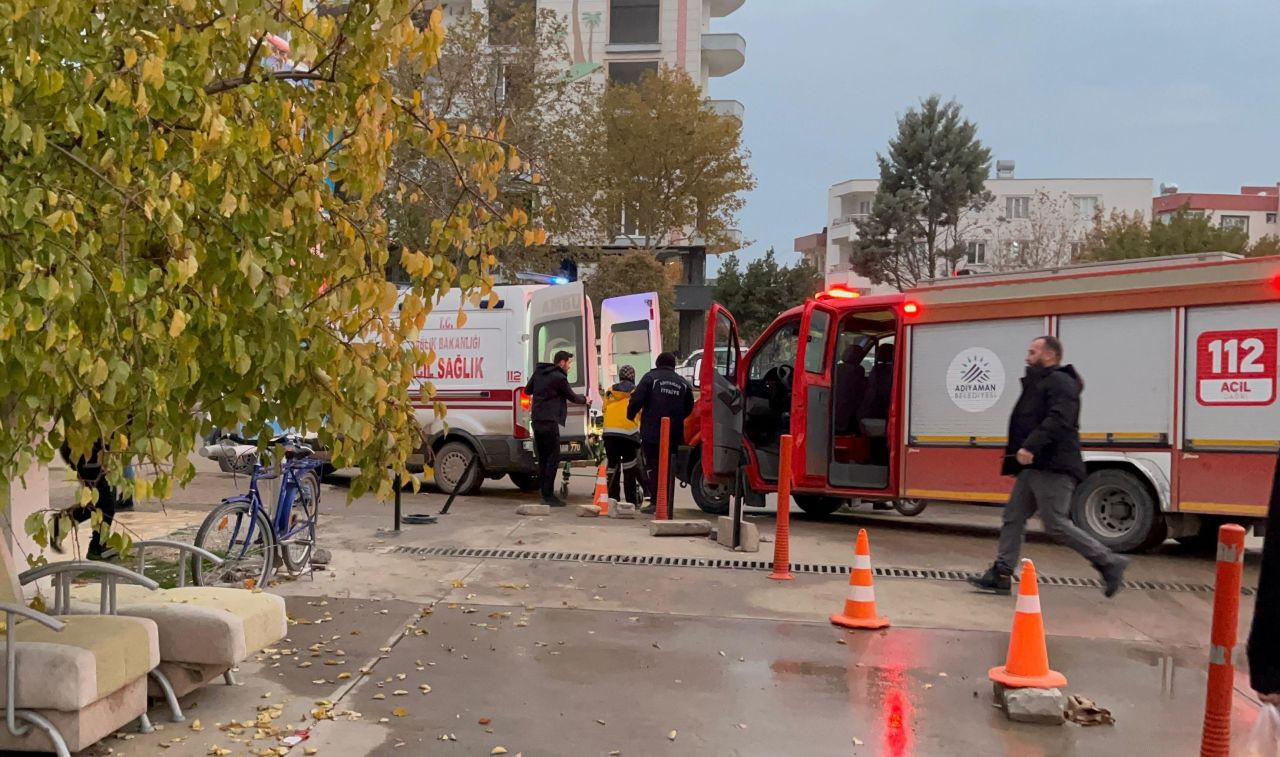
735	563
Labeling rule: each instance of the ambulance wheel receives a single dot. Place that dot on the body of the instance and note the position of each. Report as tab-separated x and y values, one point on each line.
818	506
1117	509
712	499
525	482
451	465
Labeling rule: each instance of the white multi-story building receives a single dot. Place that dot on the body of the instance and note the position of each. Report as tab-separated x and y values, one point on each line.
619	40
1030	223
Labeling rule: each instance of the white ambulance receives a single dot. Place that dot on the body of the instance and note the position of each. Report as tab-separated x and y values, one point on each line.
484	357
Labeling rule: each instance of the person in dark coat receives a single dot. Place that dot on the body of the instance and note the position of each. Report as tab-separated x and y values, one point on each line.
90	473
549	390
662	393
1264	634
1043	452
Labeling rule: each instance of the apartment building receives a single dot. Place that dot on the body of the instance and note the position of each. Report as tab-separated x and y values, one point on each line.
619	40
1254	210
813	249
1030	223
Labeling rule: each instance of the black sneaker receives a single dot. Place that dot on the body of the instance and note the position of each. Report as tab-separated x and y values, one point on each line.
553	502
102	554
994	580
1113	576
649	510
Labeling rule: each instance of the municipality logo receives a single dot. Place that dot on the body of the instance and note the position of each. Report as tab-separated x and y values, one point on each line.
975	379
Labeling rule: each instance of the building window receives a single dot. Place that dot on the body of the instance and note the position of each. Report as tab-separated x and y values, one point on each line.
629	72
1271	218
633	22
976	253
1017	207
1085	206
864	208
1235	222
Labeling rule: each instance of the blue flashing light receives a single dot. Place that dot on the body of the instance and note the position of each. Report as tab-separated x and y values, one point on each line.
559	280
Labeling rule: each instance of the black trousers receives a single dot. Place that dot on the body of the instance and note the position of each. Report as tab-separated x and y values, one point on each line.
621	452
107	498
546	445
651	455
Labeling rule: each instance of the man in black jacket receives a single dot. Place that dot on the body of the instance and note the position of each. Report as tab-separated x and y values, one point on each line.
550	392
662	393
1264	635
1043	452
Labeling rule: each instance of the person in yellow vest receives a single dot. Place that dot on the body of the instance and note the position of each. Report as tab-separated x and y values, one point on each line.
622	437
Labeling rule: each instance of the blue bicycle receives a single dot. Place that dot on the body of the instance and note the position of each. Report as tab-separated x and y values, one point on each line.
247	537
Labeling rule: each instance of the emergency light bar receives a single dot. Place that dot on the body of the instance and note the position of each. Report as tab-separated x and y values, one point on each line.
541	278
838	292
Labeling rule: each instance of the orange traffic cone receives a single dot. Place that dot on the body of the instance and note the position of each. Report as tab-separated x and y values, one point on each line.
601	497
1027	666
860	606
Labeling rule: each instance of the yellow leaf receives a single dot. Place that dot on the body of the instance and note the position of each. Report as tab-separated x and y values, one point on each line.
178	323
218	751
286	217
99	374
229	204
130	57
499	750
513	160
80	409
196	726
153	71
214	170
400	712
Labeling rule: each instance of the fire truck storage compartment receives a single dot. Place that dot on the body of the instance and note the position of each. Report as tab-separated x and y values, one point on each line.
1231	416
1127	359
768	395
862	384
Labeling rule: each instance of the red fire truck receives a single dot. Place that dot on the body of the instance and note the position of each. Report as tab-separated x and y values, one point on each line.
905	398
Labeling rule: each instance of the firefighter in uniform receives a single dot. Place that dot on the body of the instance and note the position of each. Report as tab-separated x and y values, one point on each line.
662	393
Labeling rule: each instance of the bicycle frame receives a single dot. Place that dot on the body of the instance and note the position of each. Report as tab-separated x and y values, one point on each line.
289	488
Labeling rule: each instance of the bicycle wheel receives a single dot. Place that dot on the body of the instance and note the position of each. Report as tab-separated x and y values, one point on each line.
296	547
242	537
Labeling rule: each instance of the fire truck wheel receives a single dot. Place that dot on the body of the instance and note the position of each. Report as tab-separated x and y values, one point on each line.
712	499
525	482
818	506
910	507
450	466
1118	510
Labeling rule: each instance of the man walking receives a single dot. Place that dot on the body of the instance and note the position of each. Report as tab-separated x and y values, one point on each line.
1043	452
549	390
662	393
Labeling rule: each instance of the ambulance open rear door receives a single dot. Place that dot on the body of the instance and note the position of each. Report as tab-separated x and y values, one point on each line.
630	334
561	318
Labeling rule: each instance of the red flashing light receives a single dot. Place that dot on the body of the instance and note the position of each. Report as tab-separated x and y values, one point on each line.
910	308
523	402
839	292
526	401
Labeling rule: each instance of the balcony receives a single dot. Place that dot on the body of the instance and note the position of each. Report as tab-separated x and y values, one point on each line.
722	8
730	108
723	52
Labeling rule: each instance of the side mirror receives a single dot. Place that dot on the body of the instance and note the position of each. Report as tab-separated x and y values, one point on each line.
697	373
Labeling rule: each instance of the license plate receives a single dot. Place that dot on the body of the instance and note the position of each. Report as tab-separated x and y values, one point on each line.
568	448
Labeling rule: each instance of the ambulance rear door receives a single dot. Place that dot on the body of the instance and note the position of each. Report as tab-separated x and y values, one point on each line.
630	334
561	318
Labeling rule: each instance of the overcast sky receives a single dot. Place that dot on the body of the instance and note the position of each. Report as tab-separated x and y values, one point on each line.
1178	91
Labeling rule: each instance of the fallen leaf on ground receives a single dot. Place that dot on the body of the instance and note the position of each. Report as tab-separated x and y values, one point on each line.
218	751
499	750
485	721
857	741
672	736
196	726
400	712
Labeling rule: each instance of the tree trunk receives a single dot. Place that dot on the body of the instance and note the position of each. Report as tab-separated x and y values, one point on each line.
578	57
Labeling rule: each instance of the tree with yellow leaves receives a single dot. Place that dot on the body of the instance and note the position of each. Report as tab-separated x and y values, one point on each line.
189	236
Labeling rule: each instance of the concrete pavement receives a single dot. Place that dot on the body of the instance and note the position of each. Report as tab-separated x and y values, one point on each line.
796	690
